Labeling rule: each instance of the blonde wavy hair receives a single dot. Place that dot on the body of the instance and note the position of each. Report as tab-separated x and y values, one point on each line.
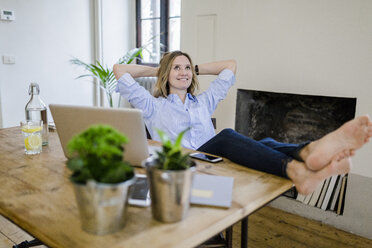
162	84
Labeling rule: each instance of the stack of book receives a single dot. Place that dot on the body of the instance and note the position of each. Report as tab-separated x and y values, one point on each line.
330	195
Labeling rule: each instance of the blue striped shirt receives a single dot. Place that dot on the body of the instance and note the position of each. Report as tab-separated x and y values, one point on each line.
172	116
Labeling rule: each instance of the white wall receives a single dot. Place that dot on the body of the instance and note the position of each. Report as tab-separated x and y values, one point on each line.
118	29
119	33
44	36
317	47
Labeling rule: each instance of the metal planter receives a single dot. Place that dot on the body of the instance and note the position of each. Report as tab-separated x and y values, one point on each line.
102	206
170	191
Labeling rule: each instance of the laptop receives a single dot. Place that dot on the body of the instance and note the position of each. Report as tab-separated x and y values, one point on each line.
71	120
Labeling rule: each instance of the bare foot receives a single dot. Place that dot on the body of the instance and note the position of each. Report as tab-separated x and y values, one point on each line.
338	144
306	181
337	167
344	154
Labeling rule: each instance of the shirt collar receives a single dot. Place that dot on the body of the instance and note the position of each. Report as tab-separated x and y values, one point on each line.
173	97
191	97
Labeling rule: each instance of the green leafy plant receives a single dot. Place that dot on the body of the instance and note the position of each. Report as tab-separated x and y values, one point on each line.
97	154
171	157
105	75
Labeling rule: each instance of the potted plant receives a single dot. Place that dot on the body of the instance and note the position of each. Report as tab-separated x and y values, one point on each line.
105	75
100	177
170	177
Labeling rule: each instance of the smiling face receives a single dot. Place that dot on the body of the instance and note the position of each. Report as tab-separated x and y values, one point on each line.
175	75
180	76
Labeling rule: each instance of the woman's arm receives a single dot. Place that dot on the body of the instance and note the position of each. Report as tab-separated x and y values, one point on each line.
128	88
218	89
214	68
134	70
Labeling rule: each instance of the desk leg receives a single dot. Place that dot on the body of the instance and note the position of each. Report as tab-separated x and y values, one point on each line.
229	233
244	234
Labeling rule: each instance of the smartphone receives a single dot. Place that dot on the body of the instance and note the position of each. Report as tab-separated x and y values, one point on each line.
139	193
208	158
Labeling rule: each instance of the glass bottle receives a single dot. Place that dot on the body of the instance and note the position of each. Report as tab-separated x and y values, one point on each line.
36	110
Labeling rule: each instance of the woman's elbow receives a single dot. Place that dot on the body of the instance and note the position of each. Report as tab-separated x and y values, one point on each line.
115	70
118	72
232	65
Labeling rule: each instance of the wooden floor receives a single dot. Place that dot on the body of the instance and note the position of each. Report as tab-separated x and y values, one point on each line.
11	234
271	227
268	227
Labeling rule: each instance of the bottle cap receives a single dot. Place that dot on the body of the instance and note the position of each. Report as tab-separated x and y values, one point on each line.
33	89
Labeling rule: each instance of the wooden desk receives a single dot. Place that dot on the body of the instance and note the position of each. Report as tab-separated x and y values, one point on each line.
36	194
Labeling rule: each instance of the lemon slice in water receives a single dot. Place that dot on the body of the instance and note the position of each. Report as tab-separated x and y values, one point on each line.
33	142
31	129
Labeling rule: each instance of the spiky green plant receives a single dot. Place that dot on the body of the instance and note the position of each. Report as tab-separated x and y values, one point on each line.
171	157
105	75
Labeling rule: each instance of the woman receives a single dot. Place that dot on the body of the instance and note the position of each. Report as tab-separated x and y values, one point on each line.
174	107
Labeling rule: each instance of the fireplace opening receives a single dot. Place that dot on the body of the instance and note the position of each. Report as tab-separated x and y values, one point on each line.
295	118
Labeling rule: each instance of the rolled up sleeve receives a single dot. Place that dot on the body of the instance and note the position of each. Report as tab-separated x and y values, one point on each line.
137	95
218	89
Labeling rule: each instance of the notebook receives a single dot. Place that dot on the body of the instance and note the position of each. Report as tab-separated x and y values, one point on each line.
206	190
212	190
71	120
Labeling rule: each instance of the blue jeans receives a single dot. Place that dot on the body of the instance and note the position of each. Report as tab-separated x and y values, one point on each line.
266	155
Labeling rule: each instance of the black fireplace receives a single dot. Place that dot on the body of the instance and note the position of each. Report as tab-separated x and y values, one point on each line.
291	118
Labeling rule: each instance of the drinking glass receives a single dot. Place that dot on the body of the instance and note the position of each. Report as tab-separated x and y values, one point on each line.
31	132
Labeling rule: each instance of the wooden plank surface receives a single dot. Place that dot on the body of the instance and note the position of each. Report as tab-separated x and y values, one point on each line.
271	227
11	234
36	195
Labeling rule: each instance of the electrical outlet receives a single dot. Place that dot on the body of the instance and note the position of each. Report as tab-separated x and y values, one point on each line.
7	15
8	59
